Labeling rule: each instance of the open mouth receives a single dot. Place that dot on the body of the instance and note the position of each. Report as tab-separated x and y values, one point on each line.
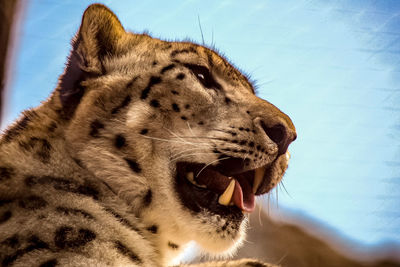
224	189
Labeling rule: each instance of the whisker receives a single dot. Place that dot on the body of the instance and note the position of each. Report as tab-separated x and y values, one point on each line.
259	212
210	164
283	185
193	154
219	130
167	140
203	137
182	137
174	134
190	129
187	150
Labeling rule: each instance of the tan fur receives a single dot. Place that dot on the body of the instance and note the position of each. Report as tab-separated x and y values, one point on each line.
94	202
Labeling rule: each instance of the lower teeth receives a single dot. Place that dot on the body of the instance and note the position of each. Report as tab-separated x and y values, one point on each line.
190	177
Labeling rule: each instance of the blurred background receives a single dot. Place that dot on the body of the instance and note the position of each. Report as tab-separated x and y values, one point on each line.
332	66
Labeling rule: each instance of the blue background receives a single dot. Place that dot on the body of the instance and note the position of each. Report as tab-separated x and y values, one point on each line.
332	66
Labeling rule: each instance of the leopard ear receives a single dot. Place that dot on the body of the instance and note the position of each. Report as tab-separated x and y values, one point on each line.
99	36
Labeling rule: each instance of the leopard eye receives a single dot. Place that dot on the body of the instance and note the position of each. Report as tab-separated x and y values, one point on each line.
204	76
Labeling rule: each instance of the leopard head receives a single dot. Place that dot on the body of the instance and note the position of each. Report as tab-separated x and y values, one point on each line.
173	128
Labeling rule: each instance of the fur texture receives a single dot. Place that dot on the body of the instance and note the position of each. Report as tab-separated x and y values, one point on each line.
89	177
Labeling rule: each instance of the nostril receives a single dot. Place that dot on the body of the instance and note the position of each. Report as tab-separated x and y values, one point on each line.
278	134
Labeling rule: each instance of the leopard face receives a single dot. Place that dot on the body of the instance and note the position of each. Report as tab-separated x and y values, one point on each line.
173	128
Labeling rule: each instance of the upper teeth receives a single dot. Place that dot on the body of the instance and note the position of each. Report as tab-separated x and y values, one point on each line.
226	197
258	177
190	177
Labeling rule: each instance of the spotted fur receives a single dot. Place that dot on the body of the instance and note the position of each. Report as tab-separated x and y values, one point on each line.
87	178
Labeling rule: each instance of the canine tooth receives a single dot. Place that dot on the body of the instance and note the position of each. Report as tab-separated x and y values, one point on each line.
226	197
258	177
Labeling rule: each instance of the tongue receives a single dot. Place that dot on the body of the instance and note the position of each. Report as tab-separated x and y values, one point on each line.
243	197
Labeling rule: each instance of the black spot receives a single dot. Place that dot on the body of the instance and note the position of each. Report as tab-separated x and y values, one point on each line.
153	80
153	229
200	123
123	104
243	151
232	133
119	141
251	144
68	237
5	173
235	141
78	162
183	51
95	126
166	47
131	82
174	92
121	219
227	100
32	203
241	128
248	112
175	107
71	211
247	130
187	106
251	152
5	202
127	252
63	185
258	147
167	68
34	243
216	151
243	142
41	146
172	245
155	62
144	131
44	152
11	242
184	118
155	103
148	198
180	76
52	127
133	165
49	263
